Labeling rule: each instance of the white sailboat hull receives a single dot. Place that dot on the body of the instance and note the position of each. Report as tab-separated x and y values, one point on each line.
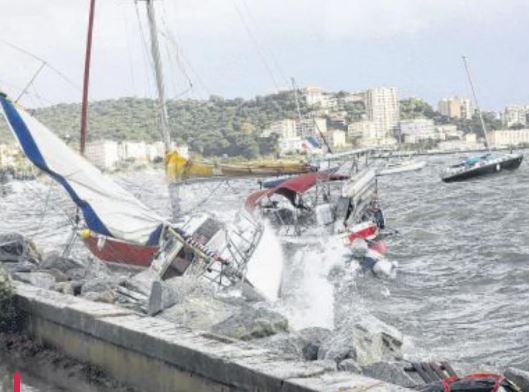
402	167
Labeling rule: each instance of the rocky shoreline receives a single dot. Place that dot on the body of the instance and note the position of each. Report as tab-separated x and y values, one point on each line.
364	346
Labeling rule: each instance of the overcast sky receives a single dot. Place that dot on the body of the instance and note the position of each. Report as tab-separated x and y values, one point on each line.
250	47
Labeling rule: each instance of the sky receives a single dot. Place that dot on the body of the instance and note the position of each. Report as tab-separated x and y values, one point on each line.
253	47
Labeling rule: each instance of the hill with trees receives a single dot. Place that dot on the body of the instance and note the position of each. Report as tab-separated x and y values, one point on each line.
213	127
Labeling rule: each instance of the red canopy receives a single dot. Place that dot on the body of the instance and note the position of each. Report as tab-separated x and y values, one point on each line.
291	187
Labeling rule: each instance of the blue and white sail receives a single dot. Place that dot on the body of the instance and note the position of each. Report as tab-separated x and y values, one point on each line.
108	209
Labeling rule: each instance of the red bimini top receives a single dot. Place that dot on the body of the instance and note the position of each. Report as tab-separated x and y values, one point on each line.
291	187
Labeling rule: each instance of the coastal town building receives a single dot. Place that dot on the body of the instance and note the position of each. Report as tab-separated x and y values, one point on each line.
456	107
509	137
290	145
382	107
105	154
336	138
448	131
134	151
285	129
515	115
416	130
311	126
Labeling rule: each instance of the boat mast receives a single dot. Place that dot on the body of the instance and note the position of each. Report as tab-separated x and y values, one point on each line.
86	81
483	127
158	73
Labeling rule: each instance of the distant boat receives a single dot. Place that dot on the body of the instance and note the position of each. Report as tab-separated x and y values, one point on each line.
480	165
402	167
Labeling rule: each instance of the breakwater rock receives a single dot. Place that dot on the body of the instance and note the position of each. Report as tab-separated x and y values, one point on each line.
196	304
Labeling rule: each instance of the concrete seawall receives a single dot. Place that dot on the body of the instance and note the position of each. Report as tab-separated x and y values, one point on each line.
155	355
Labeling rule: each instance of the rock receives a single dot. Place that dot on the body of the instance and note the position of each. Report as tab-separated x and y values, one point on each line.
58	275
392	372
366	341
349	365
199	312
313	337
252	323
65	288
16	248
77	273
286	343
38	279
106	296
519	377
54	260
23	266
98	285
162	297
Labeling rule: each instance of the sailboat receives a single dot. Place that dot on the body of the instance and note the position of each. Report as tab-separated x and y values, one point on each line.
487	163
401	165
117	227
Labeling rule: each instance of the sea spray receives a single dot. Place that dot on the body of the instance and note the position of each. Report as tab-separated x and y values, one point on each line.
266	266
307	293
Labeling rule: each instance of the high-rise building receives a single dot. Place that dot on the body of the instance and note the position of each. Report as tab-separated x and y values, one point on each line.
456	107
382	106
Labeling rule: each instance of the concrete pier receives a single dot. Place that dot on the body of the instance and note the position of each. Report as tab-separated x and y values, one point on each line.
154	355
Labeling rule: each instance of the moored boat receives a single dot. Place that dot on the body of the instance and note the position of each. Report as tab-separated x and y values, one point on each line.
484	164
401	167
481	165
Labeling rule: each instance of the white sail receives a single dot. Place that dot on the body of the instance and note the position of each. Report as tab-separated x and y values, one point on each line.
108	209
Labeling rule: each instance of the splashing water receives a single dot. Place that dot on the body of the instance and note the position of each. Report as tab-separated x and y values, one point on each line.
307	293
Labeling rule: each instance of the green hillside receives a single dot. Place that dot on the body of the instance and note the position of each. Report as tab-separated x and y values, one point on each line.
211	127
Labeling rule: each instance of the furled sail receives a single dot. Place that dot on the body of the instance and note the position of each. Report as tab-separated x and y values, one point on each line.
108	209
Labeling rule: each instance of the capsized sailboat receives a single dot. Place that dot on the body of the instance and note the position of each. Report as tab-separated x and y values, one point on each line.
118	227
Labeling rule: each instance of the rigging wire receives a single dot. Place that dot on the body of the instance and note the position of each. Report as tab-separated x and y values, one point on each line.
51	67
257	46
271	53
149	65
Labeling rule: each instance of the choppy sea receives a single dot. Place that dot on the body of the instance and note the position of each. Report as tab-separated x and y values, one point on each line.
462	289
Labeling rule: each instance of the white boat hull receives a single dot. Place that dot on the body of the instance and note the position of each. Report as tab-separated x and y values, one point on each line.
403	167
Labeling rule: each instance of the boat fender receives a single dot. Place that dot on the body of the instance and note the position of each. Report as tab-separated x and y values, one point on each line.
498	167
385	268
101	242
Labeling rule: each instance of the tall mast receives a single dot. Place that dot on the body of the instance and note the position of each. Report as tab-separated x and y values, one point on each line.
158	73
86	81
483	127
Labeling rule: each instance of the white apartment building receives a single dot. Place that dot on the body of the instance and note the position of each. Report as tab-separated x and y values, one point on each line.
133	151
286	129
382	106
448	132
105	154
509	137
415	130
456	107
336	138
288	145
313	95
362	130
311	126
156	151
515	114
